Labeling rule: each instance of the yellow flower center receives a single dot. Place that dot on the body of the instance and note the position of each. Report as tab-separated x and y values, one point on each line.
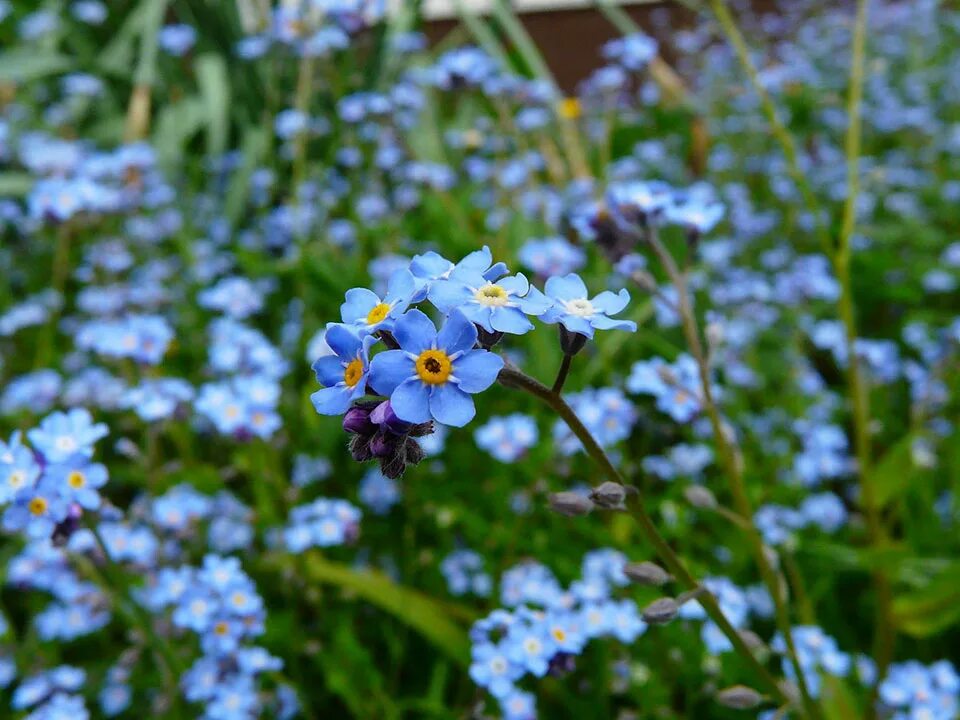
492	296
38	506
221	628
559	634
434	367
378	313
570	108
353	372
76	479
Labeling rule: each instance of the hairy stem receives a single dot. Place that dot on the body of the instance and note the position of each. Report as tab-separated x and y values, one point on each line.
513	378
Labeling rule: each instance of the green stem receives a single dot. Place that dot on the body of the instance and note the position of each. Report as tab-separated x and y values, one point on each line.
513	378
136	615
780	131
733	469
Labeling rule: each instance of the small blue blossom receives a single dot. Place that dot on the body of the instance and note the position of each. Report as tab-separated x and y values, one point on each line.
433	374
344	374
365	312
578	313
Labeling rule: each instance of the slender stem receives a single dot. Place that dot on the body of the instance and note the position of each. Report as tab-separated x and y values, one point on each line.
135	612
884	636
780	131
562	373
513	378
733	465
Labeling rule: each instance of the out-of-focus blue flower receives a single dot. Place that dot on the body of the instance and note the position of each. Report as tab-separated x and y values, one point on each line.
507	438
631	51
433	374
63	435
606	412
378	492
552	256
177	39
322	523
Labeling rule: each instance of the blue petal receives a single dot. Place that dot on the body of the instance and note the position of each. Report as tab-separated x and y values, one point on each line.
496	271
477	314
388	370
577	325
329	370
430	265
414	331
477	370
535	303
458	334
518	284
510	320
358	302
451	406
611	304
401	288
331	400
448	294
602	322
478	260
570	287
342	341
411	401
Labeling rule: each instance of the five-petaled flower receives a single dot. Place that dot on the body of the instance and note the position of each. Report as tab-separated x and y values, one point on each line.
344	374
364	311
500	306
578	313
433	374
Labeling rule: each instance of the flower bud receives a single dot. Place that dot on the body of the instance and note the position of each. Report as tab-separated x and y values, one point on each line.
646	573
608	495
486	338
661	611
357	420
700	497
570	504
739	697
570	342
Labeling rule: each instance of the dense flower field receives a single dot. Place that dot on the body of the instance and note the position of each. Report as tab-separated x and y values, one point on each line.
348	376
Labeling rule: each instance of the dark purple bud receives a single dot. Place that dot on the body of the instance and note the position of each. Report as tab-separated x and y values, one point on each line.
384	445
357	420
570	342
561	664
360	448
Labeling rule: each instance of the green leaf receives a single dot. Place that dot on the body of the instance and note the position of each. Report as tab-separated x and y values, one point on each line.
350	673
176	124
425	615
928	611
26	64
13	184
892	474
253	148
215	92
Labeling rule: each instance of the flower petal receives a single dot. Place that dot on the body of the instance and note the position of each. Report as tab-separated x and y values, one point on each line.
448	294
388	370
414	331
451	406
358	302
611	304
329	370
569	287
510	320
342	341
458	334
516	284
411	401
477	370
331	400
602	322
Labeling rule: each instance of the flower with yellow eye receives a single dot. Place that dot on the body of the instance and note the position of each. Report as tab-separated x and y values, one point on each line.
496	306
365	312
343	374
18	469
36	511
433	373
78	481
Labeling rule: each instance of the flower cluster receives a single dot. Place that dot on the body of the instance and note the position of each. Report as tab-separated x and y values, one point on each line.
546	627
913	690
429	375
321	523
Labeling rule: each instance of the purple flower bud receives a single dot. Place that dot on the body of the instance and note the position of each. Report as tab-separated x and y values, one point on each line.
384	416
357	420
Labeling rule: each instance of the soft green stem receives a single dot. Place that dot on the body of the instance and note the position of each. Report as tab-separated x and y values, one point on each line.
511	377
59	270
780	131
733	467
137	616
884	637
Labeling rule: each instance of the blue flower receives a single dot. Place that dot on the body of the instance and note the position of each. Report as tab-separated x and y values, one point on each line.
36	511
432	266
343	375
366	312
500	306
433	374
62	435
578	313
78	481
18	468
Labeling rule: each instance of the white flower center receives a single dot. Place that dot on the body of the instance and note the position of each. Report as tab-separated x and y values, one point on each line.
581	307
491	295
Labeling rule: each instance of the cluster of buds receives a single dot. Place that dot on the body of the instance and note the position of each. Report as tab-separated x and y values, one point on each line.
378	434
